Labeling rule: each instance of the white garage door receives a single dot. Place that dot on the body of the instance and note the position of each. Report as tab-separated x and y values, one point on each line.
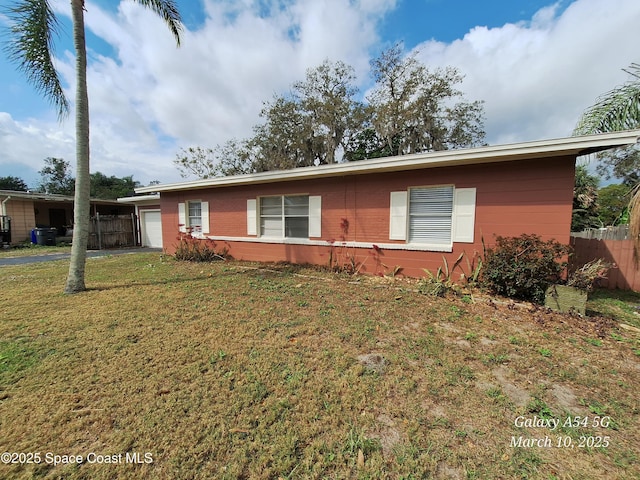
151	229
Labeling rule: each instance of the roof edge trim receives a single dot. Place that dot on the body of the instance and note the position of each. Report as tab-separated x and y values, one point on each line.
579	145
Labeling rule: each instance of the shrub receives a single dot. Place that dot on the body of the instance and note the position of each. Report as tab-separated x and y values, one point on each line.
193	249
523	267
589	275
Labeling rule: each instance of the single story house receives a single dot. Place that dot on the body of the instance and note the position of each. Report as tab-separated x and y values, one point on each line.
398	212
29	210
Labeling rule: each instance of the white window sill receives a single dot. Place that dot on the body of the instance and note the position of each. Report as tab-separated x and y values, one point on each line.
325	243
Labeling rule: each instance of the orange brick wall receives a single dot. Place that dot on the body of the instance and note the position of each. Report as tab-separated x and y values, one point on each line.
512	198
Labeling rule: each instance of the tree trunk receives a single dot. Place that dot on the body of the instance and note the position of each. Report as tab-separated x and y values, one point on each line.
81	209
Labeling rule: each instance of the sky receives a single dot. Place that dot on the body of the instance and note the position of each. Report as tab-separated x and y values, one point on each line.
536	64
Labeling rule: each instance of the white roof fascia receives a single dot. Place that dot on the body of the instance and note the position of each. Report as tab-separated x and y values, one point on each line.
580	145
50	197
141	199
54	197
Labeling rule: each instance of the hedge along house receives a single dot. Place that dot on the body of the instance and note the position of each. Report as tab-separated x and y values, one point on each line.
407	212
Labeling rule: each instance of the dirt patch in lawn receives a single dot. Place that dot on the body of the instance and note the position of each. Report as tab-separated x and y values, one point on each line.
235	371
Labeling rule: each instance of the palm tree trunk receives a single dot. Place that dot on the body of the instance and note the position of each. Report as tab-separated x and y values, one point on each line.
75	279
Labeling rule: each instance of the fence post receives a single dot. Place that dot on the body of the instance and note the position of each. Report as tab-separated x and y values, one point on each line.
99	233
134	225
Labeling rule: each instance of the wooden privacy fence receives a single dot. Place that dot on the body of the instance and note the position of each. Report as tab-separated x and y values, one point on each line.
620	232
614	246
111	231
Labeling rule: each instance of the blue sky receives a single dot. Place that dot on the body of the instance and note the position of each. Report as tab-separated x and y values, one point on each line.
414	21
536	64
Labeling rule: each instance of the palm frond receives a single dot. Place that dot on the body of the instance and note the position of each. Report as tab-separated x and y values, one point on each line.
33	26
168	10
634	220
616	110
634	70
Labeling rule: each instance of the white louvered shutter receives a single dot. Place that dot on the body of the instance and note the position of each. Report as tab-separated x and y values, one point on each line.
204	212
398	216
251	217
430	212
182	217
315	216
464	214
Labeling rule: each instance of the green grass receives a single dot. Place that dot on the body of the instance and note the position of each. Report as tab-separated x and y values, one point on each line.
623	305
235	370
28	249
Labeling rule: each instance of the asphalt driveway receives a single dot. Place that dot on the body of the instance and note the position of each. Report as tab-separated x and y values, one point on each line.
62	256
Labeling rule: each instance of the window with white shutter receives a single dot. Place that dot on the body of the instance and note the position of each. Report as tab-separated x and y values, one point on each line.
193	217
430	215
288	216
433	216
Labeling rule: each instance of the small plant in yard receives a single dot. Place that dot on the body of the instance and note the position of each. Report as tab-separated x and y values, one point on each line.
440	283
395	271
497	359
443	282
342	259
589	275
357	441
523	267
540	408
545	352
376	253
474	268
192	249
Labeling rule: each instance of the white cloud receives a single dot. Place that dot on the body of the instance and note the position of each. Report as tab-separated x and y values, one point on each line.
26	144
537	78
156	98
148	98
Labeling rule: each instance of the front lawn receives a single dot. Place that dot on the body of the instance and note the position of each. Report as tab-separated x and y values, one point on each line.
29	249
232	370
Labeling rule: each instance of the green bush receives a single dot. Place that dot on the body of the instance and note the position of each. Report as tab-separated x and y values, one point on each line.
523	267
193	249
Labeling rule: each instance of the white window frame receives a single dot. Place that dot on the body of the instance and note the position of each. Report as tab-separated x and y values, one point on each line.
185	219
194	222
314	215
282	216
462	218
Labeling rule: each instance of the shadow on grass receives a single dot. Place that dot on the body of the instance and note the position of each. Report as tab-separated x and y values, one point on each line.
622	305
266	270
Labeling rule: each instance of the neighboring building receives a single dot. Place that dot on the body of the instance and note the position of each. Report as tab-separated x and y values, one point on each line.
28	210
408	211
